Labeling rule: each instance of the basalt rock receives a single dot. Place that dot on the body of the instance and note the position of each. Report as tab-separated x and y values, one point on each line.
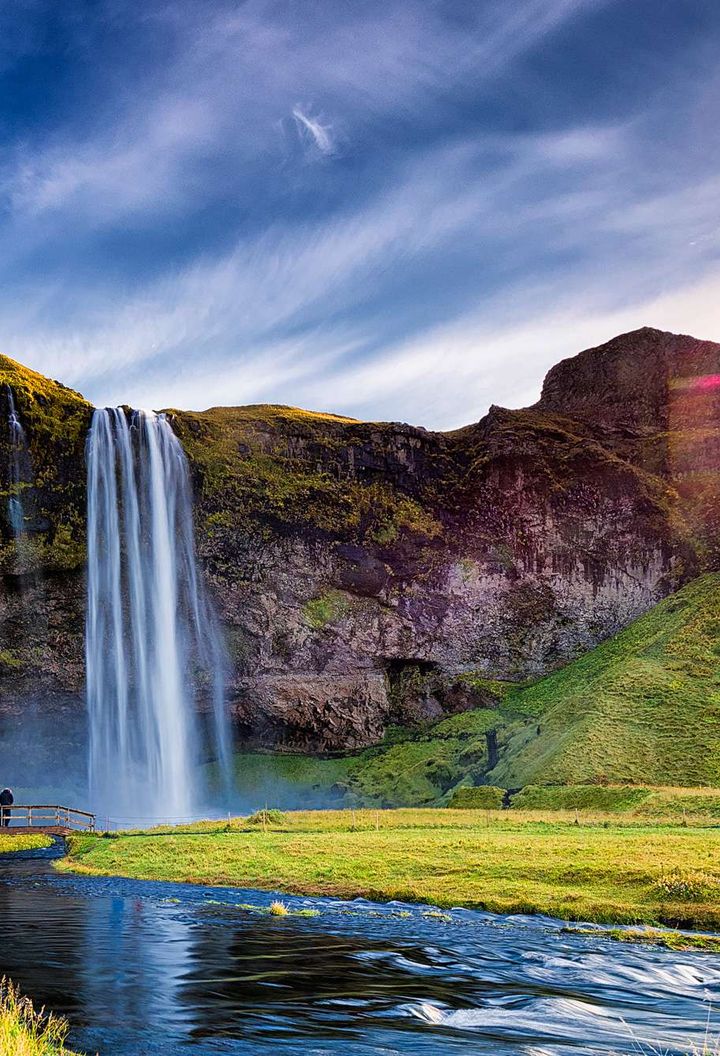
361	569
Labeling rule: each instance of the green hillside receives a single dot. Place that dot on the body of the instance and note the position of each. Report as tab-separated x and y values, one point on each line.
643	707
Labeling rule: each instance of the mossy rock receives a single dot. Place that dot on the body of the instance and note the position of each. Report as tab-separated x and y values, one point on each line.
325	609
483	797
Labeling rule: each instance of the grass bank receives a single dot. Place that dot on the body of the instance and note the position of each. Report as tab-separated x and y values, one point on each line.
27	1032
668	940
693	805
23	842
604	869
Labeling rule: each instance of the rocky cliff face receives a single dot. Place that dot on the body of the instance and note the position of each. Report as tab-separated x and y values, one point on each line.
362	569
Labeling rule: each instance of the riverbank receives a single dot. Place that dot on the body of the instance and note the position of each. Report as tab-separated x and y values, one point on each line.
23	842
27	1032
600	868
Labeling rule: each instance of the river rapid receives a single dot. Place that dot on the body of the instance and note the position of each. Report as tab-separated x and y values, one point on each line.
169	969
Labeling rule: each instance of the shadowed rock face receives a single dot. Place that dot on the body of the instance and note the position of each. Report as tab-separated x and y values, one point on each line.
633	384
361	568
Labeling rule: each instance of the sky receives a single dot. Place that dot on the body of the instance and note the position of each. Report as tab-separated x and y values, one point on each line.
389	209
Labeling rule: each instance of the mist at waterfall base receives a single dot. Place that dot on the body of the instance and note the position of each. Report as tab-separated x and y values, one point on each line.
155	659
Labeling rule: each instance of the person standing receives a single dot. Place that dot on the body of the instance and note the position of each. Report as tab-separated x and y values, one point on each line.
6	801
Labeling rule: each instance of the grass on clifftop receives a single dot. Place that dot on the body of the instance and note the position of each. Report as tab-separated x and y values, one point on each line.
267	467
601	870
643	707
55	419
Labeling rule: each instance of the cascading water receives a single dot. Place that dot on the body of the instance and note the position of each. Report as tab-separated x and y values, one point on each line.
19	467
151	633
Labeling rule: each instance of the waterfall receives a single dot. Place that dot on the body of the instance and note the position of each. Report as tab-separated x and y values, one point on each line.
152	638
19	467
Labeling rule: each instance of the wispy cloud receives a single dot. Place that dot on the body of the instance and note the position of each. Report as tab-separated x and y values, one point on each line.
275	318
449	377
129	170
311	128
487	205
228	79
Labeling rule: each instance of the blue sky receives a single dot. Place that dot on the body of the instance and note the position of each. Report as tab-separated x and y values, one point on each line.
405	209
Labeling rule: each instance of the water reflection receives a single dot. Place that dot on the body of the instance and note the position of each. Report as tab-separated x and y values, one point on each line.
169	969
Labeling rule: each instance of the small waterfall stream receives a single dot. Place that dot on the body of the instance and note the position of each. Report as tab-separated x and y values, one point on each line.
19	467
152	639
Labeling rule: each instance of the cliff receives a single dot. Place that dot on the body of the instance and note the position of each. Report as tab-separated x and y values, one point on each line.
360	569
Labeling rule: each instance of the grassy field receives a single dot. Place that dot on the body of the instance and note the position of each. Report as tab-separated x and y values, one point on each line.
23	843
603	869
25	1032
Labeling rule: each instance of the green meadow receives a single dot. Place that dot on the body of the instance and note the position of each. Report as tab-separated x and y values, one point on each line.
603	867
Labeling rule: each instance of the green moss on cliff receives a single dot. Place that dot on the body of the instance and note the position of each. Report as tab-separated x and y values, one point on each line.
416	773
499	690
319	612
644	707
64	549
31	385
10	660
48	409
265	469
55	420
419	767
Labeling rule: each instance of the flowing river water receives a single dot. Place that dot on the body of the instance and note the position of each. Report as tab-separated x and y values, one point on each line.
168	969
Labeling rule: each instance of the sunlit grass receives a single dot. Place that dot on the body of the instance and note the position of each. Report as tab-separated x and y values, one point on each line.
667	939
642	706
22	842
598	867
27	1032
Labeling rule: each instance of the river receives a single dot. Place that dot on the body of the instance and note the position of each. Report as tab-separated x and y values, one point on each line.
169	969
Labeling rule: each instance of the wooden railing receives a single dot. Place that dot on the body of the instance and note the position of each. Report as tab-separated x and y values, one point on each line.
48	816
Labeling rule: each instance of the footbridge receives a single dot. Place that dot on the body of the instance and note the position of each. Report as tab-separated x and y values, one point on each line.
51	819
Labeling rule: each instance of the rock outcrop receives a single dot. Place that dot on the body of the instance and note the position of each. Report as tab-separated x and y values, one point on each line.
361	568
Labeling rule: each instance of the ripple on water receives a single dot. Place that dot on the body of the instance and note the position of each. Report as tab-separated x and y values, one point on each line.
573	1023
